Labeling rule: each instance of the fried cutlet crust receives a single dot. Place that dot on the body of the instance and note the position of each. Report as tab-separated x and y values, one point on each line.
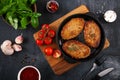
76	49
92	34
72	28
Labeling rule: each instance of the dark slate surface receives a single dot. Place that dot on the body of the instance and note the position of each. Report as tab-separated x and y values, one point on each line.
10	65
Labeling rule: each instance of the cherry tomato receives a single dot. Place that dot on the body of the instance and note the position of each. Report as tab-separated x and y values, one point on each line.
51	33
39	42
45	27
48	51
48	40
57	53
41	34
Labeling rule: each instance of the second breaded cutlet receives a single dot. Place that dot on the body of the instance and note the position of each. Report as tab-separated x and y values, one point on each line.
92	34
72	28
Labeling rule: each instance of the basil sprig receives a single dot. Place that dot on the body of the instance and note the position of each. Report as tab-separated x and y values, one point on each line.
19	13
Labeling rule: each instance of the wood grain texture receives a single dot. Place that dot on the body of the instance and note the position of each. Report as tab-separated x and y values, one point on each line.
59	66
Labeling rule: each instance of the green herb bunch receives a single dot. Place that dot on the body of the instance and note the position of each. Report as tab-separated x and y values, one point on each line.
19	13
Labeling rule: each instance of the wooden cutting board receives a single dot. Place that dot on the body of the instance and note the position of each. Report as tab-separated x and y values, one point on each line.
59	66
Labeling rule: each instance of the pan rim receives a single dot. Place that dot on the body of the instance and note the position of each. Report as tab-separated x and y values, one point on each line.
102	40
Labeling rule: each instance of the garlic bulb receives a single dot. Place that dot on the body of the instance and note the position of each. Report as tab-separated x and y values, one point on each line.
7	48
19	39
17	47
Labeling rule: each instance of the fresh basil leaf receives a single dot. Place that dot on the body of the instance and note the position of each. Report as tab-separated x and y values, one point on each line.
9	18
32	1
15	20
5	2
24	22
11	1
23	14
35	14
22	6
34	22
5	8
22	1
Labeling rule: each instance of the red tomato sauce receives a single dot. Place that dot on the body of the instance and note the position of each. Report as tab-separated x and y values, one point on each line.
53	6
29	74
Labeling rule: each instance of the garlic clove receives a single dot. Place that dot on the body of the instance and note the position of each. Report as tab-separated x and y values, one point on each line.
19	39
17	47
7	43
7	48
8	51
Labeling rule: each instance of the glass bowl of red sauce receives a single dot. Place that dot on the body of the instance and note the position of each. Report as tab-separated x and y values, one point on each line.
52	6
29	73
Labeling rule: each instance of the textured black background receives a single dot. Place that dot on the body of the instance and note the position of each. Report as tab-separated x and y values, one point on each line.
10	65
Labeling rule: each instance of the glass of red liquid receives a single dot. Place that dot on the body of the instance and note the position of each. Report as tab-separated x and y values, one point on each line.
29	73
52	6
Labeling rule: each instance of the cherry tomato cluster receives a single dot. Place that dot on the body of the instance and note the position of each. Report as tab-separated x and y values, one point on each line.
45	35
49	51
